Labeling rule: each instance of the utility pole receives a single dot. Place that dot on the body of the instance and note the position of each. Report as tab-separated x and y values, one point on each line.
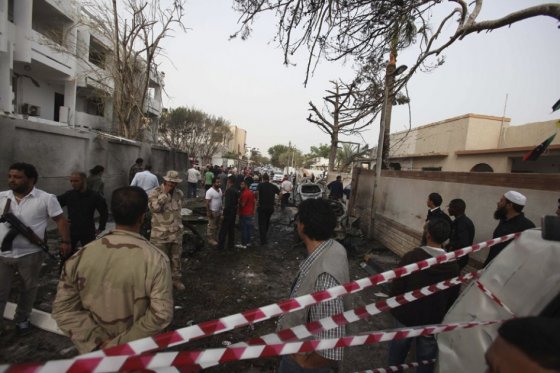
390	74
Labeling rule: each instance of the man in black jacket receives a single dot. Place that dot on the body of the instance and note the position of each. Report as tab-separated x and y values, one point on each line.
82	204
462	230
509	212
435	212
231	202
428	310
266	194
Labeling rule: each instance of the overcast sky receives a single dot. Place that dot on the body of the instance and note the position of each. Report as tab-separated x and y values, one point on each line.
247	83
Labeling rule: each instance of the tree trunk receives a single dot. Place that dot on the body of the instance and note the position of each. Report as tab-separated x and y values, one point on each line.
387	109
332	153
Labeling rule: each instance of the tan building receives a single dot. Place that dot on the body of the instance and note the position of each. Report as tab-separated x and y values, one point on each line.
235	147
477	143
238	142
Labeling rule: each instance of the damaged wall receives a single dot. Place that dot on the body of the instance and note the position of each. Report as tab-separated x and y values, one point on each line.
402	197
56	151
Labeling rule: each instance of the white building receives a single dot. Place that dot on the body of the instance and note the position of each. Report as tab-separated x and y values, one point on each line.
52	67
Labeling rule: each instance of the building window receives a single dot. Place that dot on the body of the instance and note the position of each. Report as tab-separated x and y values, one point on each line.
95	106
50	22
97	53
482	167
11	11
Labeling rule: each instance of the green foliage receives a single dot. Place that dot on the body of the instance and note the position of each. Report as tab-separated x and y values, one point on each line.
347	154
195	132
282	155
275	152
321	151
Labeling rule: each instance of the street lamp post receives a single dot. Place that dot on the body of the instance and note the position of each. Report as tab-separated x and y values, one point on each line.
382	125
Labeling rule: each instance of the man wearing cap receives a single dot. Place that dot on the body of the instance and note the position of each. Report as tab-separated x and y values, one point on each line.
165	203
512	220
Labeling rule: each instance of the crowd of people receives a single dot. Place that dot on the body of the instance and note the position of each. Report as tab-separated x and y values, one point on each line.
119	286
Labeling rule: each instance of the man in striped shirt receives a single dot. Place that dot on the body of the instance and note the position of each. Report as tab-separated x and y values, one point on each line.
325	267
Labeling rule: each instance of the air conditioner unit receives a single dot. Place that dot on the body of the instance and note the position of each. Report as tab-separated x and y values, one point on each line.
33	110
29	109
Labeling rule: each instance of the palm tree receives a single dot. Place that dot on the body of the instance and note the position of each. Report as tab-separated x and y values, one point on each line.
348	154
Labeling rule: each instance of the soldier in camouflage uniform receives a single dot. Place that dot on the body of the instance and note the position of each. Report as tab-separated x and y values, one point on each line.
118	288
165	203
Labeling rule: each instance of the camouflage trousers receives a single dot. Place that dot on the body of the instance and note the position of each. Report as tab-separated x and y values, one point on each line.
214	223
174	250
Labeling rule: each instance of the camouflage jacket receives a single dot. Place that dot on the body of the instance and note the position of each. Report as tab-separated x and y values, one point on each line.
167	225
116	288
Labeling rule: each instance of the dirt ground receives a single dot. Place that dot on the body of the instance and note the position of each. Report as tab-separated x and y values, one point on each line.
221	283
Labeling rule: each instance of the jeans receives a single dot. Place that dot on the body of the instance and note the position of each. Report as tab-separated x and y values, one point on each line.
289	365
191	190
246	223
426	349
264	213
29	267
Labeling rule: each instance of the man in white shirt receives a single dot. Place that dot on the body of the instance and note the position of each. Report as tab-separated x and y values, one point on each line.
193	177
285	190
145	179
33	207
214	211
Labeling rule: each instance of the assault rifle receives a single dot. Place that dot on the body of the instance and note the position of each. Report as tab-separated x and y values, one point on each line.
17	227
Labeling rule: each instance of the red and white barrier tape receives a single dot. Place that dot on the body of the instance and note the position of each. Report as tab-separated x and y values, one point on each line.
308	330
228	323
492	296
222	355
400	367
182	360
304	331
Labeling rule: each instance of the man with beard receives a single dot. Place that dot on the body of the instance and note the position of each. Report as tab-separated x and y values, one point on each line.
512	220
326	266
33	207
213	200
82	203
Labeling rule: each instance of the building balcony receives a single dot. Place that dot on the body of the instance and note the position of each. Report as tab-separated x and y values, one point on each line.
50	54
153	106
92	121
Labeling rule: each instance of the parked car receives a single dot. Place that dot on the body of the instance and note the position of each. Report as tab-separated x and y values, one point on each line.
307	191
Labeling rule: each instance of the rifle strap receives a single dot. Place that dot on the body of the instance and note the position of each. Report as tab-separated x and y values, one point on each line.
11	234
7	206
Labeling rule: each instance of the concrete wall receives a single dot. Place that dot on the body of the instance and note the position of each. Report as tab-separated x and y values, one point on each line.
530	134
402	196
437	144
484	132
57	151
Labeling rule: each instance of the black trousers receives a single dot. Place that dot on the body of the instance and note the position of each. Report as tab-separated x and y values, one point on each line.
264	213
227	230
83	237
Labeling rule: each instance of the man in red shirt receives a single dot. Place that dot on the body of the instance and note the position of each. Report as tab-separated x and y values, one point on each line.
246	213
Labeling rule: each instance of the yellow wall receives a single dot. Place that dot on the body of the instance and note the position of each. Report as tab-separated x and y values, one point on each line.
467	132
530	134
